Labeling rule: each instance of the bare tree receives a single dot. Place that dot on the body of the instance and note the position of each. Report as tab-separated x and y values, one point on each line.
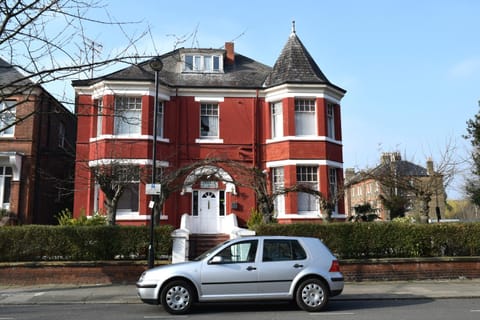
49	41
404	185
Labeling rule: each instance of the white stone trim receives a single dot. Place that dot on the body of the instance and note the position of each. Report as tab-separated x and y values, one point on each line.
304	162
303	138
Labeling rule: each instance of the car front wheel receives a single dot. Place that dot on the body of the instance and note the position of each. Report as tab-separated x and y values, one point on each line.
312	295
177	297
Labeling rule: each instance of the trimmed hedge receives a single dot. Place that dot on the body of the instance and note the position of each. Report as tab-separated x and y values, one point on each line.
346	240
387	240
75	243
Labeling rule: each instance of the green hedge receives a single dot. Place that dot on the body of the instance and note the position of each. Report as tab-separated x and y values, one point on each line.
346	240
34	242
388	240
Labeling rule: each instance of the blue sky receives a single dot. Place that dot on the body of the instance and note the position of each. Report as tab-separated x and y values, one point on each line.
411	68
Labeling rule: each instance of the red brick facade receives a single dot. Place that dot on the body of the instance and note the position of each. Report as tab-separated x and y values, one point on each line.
244	134
38	158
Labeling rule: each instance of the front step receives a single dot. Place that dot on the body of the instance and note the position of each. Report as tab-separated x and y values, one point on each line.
199	243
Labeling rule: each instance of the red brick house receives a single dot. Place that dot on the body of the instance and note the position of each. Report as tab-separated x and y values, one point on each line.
284	120
37	150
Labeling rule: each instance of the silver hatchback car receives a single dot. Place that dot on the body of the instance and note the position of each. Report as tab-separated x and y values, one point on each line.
248	269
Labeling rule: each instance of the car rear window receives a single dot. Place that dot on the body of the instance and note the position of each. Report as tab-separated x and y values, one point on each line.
282	250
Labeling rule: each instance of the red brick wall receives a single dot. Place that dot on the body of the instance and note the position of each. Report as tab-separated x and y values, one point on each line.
128	272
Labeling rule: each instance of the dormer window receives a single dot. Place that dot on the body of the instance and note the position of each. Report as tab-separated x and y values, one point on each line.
203	63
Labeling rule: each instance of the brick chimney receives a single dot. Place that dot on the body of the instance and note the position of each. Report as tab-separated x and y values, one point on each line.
230	53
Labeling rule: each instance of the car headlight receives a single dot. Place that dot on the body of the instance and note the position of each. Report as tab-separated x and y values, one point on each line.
142	277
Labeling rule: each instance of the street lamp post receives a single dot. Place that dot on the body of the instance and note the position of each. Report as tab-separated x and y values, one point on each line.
156	65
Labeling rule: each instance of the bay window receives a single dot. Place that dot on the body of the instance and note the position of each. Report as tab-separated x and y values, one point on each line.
307	203
128	115
305	117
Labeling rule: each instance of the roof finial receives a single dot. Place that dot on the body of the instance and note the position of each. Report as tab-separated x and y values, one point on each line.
293	27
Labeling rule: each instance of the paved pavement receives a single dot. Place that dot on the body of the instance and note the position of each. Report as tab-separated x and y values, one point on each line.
69	294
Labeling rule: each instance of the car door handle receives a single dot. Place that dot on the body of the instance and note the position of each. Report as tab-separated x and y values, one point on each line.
296	265
250	268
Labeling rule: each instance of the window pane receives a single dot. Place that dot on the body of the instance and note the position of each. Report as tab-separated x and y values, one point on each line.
209	120
188	63
99	116
7	117
216	63
128	112
331	121
305	123
129	198
197	63
282	250
277	120
207	60
307	176
160	120
278	183
239	252
6	189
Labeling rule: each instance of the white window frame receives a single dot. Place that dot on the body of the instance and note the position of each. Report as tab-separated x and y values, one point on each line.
276	109
8	112
211	113
99	116
305	117
160	119
278	183
128	116
331	120
202	63
333	185
6	177
308	204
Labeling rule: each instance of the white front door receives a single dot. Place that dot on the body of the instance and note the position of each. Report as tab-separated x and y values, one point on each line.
208	211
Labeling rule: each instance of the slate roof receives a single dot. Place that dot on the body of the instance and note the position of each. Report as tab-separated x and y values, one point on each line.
10	76
294	65
244	73
402	167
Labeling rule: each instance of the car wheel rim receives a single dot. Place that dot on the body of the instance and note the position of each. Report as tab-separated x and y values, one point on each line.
312	295
178	298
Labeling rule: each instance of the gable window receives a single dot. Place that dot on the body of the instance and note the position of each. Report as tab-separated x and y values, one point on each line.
307	203
305	124
331	121
277	119
7	117
278	184
128	115
202	63
5	185
209	120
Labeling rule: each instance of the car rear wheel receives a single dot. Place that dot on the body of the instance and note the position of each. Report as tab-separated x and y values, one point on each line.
177	297
312	295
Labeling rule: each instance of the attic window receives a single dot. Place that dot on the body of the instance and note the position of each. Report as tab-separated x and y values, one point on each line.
202	63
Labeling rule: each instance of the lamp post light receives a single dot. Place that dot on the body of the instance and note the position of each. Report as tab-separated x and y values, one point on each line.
156	65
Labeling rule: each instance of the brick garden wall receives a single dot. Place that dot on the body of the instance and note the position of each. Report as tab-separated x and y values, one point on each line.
85	273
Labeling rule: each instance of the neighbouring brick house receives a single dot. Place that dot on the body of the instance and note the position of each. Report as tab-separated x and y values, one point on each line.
37	150
363	187
284	120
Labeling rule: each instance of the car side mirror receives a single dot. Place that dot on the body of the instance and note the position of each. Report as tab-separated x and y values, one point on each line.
216	260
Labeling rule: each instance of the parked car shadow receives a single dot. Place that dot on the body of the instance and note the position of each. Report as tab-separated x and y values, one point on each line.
347	303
